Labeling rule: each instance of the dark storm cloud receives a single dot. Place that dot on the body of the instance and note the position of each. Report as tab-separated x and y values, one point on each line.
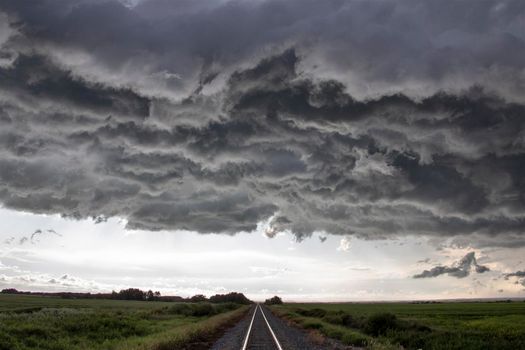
90	125
483	241
36	77
460	269
375	47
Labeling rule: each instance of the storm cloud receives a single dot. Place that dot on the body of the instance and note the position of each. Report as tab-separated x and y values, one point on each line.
299	117
460	269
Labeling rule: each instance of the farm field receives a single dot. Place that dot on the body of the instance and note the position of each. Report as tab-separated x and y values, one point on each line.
451	325
38	322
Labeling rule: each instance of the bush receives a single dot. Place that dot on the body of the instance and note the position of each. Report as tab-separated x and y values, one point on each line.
203	309
197	309
273	301
180	309
129	294
233	297
379	324
312	325
354	338
224	307
351	322
319	313
9	291
334	318
198	298
333	332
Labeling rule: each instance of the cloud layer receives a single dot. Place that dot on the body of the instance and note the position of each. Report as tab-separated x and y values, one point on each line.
460	269
175	116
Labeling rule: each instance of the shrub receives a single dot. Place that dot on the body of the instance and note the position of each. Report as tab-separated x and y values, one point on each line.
352	322
319	313
203	309
334	333
181	309
273	301
9	291
379	324
312	325
198	298
354	338
333	319
233	297
223	307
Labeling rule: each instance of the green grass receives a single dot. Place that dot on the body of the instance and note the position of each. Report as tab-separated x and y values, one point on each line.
480	325
34	322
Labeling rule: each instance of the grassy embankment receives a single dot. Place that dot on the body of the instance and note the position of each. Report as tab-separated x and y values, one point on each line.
440	326
34	322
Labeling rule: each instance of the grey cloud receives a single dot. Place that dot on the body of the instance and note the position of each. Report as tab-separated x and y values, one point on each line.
519	275
282	144
37	77
269	140
376	47
516	274
9	240
483	241
460	269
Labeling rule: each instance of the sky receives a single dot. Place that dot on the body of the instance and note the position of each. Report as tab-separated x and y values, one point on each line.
334	150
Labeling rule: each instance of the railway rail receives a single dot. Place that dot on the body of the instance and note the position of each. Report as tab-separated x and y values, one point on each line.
260	335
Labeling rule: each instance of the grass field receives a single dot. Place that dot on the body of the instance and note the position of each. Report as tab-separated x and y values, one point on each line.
483	325
35	322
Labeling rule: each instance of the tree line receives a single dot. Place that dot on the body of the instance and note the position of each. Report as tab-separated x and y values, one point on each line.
138	294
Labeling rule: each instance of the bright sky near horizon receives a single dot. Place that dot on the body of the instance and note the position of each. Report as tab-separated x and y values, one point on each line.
85	256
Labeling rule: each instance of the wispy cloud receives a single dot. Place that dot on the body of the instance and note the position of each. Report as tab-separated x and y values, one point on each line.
519	275
33	238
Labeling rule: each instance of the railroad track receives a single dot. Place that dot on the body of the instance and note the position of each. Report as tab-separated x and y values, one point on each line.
260	335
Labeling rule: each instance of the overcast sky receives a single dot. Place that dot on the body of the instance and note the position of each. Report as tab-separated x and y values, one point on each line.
327	150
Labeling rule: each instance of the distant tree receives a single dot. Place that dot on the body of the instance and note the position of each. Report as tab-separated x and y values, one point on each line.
273	301
232	297
198	298
131	294
173	298
152	296
9	291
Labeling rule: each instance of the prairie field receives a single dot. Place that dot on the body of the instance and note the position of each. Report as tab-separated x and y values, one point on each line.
39	322
446	325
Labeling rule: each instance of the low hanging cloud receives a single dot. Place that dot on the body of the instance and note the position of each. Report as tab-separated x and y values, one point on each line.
519	275
460	269
231	135
344	244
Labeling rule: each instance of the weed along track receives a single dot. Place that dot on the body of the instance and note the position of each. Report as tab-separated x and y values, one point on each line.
260	334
